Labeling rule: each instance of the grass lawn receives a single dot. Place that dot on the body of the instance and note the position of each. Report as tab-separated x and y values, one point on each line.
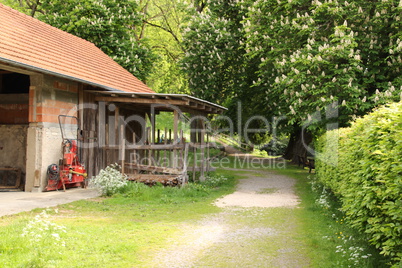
128	229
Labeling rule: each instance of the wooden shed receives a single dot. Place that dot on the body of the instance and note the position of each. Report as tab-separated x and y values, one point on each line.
44	73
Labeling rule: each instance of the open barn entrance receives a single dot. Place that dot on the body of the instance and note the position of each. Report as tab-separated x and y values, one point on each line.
14	111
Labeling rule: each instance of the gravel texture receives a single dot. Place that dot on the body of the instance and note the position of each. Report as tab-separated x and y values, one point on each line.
251	192
236	237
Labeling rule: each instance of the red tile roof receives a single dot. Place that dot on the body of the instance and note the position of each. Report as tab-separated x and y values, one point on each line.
30	43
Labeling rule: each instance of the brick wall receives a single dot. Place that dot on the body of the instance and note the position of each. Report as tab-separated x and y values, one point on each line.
55	97
14	113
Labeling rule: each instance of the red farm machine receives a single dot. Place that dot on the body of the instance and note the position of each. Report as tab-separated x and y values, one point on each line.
70	172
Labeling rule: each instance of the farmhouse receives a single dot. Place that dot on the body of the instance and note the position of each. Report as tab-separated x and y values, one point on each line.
45	73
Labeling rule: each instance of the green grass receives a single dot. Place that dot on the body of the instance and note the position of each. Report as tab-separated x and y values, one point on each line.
131	227
324	231
121	231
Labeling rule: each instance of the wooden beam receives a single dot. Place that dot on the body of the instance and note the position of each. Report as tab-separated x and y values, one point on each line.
150	168
149	147
143	101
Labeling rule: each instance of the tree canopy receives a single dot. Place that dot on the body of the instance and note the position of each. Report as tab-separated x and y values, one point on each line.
302	55
296	58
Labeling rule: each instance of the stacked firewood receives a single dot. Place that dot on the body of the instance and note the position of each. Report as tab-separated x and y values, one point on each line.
151	179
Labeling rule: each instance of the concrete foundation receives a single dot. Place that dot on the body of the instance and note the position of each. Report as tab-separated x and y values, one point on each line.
44	149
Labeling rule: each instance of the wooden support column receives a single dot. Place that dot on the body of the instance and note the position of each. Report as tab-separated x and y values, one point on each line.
208	154
102	130
175	136
116	133
202	154
153	124
194	161
122	148
149	157
193	127
165	142
134	153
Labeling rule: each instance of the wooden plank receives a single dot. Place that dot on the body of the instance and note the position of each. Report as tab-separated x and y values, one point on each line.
175	137
116	134
134	151
142	101
148	147
150	179
185	175
122	148
150	176
195	162
202	175
101	136
155	169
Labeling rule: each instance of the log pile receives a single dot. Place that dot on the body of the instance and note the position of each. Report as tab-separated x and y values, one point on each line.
152	179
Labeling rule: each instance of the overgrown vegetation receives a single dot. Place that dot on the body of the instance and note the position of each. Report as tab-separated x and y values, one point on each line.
361	165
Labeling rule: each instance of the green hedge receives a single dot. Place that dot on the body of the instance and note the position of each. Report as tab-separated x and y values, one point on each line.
363	167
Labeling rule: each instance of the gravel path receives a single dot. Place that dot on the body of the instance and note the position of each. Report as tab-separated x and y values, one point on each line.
265	190
254	229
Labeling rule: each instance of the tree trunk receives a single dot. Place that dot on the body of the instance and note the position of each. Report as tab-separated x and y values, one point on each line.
296	147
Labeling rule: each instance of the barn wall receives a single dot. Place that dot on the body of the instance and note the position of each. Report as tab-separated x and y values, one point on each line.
49	97
13	141
14	108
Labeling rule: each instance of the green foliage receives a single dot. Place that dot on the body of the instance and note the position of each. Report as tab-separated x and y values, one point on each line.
366	175
106	23
109	180
294	58
314	53
163	20
214	60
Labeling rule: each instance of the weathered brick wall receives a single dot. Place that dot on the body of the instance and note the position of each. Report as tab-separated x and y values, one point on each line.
14	109
54	96
49	97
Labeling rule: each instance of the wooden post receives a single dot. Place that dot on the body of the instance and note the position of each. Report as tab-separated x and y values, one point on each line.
194	160
208	153
135	153
202	143
181	163
102	133
157	142
149	142
175	136
122	148
116	135
165	142
153	125
184	173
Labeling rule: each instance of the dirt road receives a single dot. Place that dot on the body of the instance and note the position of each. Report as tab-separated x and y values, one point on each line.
255	228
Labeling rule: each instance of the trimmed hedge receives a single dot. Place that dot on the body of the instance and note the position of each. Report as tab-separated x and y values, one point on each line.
362	165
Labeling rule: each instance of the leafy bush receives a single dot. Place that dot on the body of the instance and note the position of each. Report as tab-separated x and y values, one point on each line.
366	175
109	180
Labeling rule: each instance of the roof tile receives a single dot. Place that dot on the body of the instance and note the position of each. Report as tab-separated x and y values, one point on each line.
30	42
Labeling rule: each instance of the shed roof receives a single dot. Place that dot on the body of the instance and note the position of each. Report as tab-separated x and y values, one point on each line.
161	101
29	43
